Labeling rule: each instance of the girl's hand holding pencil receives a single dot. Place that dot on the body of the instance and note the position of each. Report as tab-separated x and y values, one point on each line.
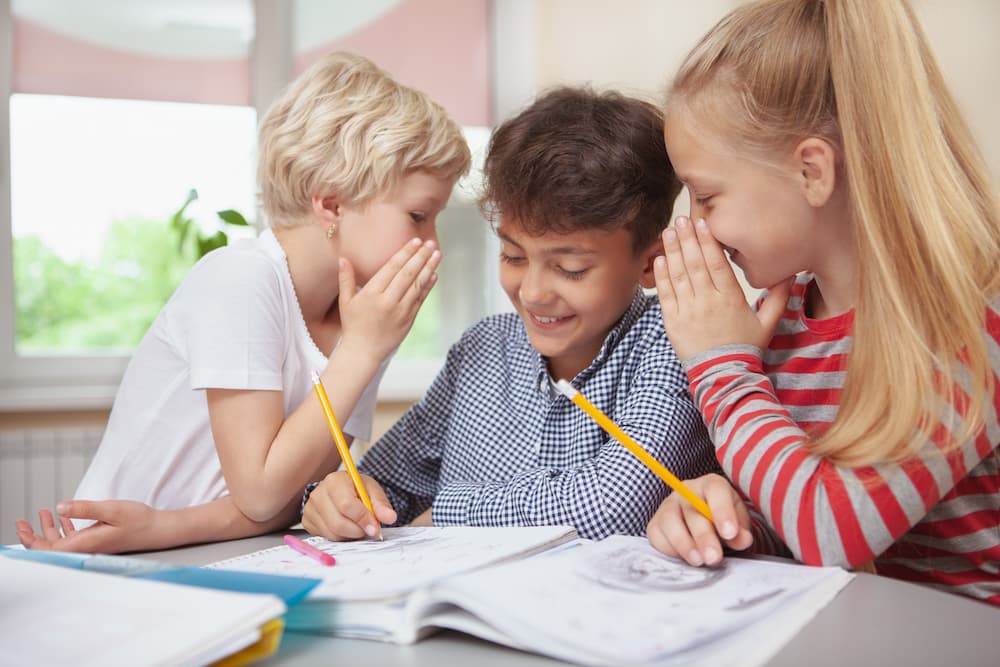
679	530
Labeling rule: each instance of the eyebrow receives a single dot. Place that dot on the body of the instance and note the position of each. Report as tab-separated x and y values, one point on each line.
558	250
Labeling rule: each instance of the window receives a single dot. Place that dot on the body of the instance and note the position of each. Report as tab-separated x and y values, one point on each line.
115	115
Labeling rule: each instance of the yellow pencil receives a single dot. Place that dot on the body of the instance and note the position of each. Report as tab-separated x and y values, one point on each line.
570	392
345	452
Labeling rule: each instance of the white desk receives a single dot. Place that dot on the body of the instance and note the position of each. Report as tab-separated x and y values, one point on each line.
873	621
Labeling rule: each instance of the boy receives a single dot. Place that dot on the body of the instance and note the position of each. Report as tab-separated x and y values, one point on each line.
578	187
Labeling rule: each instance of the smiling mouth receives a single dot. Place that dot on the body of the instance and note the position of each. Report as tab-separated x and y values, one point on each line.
547	322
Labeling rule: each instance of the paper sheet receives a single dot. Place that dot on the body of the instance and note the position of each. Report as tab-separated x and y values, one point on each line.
408	558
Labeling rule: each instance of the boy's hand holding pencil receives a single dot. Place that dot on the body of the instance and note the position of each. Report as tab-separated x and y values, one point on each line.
335	511
341	507
690	521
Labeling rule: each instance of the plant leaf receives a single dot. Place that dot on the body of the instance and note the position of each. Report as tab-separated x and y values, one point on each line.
233	217
207	244
179	215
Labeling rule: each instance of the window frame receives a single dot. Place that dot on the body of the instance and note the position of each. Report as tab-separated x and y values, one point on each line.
87	382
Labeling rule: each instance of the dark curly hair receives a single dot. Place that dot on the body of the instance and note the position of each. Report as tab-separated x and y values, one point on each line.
579	159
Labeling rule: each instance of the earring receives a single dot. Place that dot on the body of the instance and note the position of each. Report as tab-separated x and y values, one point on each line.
330	230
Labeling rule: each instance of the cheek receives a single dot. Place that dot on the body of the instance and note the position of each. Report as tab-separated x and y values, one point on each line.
510	280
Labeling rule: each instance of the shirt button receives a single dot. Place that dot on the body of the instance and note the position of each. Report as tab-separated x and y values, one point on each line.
543	386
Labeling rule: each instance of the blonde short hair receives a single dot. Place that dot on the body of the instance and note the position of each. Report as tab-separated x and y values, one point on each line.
346	128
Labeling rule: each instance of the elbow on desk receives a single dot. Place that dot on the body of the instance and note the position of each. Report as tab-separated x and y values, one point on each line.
258	507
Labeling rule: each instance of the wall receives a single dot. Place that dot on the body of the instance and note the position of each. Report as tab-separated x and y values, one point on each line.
636	44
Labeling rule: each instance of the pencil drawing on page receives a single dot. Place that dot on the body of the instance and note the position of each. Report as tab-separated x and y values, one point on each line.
631	570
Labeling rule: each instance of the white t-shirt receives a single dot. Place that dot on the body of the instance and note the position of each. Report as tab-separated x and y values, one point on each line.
234	323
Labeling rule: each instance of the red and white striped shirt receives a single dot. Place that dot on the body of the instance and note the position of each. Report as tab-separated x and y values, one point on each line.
932	519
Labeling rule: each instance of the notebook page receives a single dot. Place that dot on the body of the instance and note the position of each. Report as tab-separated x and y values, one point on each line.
407	559
618	601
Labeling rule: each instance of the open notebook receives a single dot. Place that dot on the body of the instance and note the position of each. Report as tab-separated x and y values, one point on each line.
615	601
54	615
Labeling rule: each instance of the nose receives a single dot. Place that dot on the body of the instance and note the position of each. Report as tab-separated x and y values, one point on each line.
429	232
534	289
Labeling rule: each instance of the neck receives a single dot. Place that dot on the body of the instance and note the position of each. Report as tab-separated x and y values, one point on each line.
836	267
312	264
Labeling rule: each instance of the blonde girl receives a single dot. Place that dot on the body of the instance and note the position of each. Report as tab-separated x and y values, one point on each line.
856	410
215	430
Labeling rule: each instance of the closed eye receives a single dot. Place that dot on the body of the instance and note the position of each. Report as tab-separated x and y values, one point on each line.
572	275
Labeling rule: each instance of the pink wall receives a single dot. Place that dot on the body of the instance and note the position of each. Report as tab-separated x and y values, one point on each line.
47	62
438	46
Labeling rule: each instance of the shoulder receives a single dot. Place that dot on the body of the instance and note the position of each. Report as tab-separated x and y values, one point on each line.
643	349
245	265
647	333
501	331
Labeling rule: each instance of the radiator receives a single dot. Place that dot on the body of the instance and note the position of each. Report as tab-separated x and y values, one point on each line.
38	468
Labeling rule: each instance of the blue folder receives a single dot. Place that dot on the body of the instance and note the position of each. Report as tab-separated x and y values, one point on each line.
289	589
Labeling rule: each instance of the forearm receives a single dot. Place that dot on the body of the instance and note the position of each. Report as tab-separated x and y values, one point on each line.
302	449
825	513
216	521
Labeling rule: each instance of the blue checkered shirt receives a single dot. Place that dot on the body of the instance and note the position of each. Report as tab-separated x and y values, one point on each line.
492	443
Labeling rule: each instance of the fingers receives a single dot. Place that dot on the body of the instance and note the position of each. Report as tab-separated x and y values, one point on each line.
720	271
385	275
67	526
678	529
335	512
677	272
27	537
48	526
413	278
773	306
655	530
664	286
87	509
384	512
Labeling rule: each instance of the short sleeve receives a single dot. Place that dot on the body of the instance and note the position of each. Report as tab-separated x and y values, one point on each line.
229	318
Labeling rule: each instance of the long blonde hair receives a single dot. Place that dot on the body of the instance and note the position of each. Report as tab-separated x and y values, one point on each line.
924	214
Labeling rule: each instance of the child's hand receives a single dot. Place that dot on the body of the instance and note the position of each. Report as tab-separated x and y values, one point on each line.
121	525
679	530
379	315
335	512
703	304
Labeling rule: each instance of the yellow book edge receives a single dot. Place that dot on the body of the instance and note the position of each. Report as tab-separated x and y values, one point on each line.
270	639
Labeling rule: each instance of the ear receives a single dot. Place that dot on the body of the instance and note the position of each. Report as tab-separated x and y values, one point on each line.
647	279
816	161
326	209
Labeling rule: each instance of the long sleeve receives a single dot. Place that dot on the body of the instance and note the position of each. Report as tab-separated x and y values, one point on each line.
826	514
610	491
406	461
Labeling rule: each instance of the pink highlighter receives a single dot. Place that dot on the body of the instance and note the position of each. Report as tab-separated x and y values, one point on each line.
310	550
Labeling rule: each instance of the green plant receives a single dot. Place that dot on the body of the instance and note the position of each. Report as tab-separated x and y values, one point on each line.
184	227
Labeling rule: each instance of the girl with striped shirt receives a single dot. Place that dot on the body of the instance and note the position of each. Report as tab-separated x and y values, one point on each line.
855	410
